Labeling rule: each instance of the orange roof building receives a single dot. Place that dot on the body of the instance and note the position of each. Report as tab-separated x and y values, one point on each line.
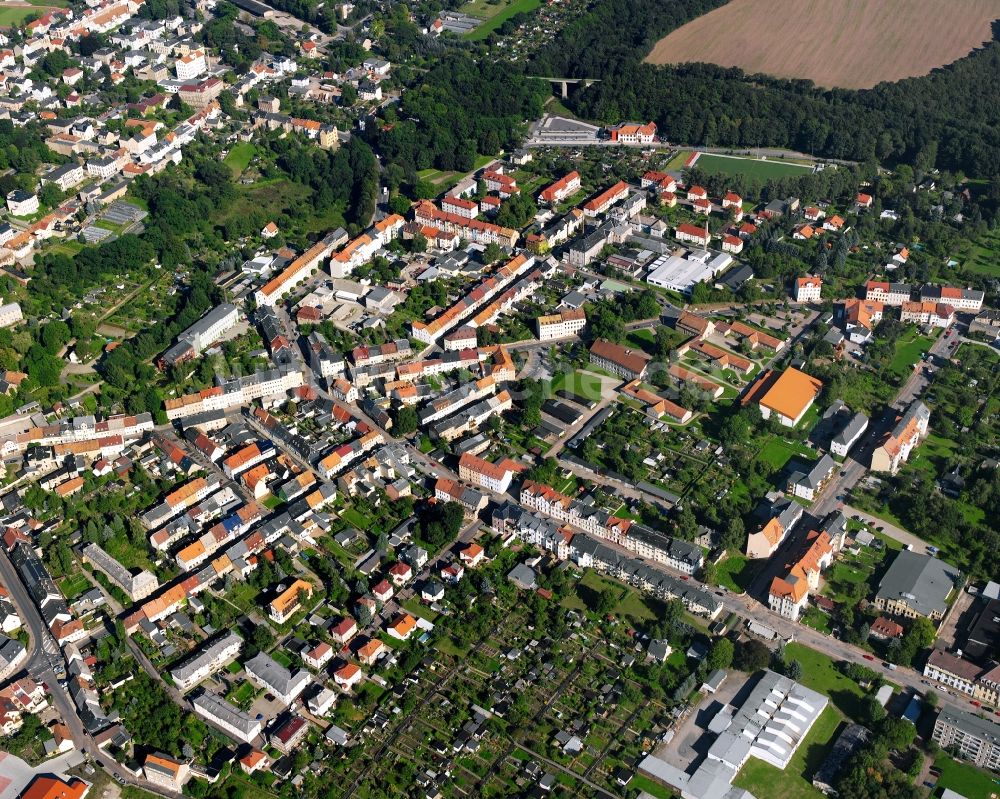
790	396
788	595
54	788
288	601
402	626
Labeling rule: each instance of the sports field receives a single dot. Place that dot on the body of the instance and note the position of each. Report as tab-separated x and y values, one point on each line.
854	44
749	167
495	14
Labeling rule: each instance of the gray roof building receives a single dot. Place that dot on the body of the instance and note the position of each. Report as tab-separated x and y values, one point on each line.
917	585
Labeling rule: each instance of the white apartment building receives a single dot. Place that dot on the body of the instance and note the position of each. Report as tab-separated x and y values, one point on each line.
808	288
208	661
565	323
190	66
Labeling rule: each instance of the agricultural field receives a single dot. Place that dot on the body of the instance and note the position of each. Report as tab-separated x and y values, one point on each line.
715	164
853	44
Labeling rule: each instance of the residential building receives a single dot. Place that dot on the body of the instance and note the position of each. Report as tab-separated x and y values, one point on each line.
633	133
935	314
788	595
975	738
693	234
627	363
765	542
808	485
166	772
288	602
565	187
55	788
808	288
894	294
789	396
896	446
136	586
238	725
965	300
562	324
207	661
202	334
917	585
289	734
494	477
190	66
22	203
860	318
265	672
848	435
603	201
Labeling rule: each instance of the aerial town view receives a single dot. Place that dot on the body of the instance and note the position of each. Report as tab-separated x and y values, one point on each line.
499	398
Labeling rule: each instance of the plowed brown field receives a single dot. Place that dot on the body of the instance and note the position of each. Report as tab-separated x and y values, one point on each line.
849	43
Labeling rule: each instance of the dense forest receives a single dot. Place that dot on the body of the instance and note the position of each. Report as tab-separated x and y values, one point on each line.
949	117
459	109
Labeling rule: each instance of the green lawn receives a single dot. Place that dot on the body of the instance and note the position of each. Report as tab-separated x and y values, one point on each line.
239	157
418	608
641	783
73	586
795	781
578	384
631	603
736	572
15	15
495	14
355	518
282	658
980	256
909	346
821	674
965	778
749	167
777	452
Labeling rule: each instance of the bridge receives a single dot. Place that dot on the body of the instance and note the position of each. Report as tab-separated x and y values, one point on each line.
564	83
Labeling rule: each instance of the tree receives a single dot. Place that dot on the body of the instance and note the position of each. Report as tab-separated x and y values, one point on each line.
793	670
710	573
405	421
720	656
752	656
492	253
872	710
607	599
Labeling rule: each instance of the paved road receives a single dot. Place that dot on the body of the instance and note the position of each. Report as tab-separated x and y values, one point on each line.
44	660
889	529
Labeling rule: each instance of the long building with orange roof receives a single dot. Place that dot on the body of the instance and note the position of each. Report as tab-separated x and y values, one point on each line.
895	447
299	269
284	605
475	230
481	293
55	788
788	595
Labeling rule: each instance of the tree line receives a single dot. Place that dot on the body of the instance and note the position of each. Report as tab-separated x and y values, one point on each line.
947	118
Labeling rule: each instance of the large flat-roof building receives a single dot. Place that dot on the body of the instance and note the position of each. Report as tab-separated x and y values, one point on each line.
770	725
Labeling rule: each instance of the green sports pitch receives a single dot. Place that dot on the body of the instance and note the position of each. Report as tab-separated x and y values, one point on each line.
749	167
